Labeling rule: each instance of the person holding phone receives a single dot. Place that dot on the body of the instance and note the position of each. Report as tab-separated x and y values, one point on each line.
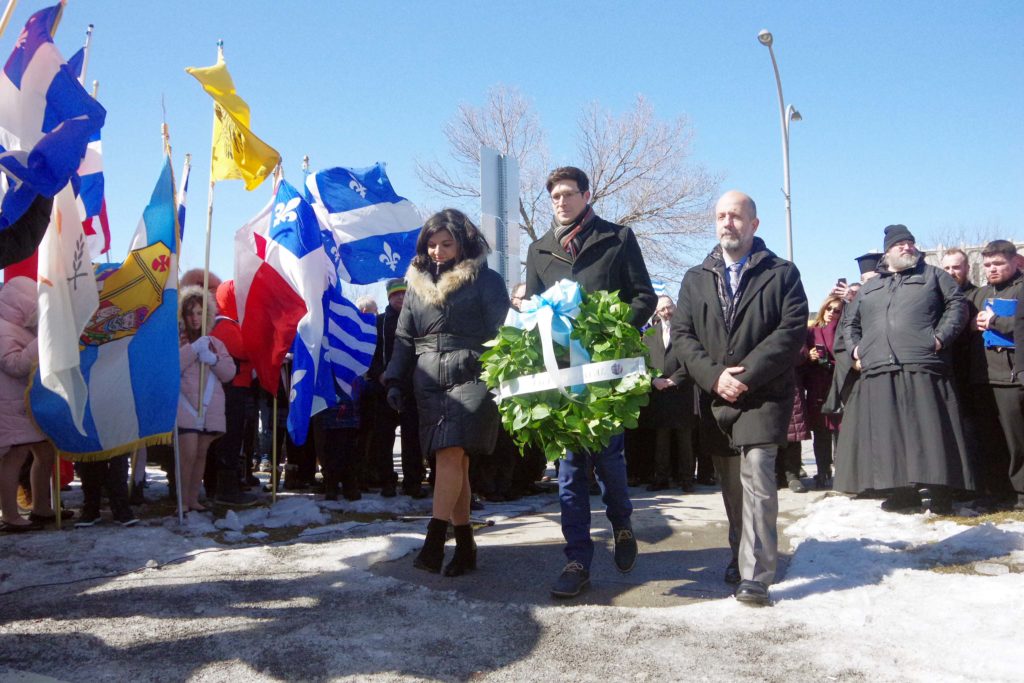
821	338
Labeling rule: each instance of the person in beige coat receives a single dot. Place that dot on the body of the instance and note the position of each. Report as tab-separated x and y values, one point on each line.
200	403
19	436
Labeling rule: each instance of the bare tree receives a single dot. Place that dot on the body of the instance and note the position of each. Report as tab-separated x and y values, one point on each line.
639	166
508	123
641	175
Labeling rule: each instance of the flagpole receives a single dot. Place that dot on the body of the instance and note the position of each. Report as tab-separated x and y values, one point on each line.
55	487
273	455
177	475
6	18
209	232
56	20
95	89
85	56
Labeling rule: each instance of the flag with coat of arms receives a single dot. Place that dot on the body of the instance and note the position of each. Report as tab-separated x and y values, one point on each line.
129	349
374	229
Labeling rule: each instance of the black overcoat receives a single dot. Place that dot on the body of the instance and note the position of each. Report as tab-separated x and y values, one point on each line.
993	365
768	330
610	259
671	408
438	342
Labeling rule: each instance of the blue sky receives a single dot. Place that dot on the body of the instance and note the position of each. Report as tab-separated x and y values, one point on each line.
912	111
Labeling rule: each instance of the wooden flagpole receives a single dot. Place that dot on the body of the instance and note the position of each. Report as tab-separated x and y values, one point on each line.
55	487
206	260
6	18
166	134
85	57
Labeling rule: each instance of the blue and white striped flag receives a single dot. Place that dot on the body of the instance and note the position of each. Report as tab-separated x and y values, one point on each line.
46	119
349	340
129	350
374	229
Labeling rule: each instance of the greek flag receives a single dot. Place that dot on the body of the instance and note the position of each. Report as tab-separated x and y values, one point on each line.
129	349
374	230
350	339
46	119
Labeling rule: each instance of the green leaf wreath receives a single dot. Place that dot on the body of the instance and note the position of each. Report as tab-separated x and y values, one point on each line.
589	419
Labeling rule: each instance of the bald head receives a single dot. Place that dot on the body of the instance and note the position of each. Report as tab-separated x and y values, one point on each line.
735	223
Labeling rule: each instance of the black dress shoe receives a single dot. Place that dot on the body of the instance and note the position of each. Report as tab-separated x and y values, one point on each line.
753	593
902	500
659	485
732	573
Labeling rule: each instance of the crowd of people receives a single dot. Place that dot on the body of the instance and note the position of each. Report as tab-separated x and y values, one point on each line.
905	382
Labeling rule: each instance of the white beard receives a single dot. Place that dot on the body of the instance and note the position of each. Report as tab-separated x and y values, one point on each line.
896	263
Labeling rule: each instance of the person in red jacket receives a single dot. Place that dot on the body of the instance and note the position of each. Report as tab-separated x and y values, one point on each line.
239	402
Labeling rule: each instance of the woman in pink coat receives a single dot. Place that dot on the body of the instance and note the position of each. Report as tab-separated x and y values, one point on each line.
200	408
18	434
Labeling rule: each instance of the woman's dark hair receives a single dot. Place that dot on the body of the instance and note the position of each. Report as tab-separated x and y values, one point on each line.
471	241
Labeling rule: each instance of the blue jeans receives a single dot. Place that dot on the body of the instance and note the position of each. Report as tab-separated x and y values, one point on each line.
574	496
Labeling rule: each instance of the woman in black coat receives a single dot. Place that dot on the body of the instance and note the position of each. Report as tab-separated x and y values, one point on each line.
453	305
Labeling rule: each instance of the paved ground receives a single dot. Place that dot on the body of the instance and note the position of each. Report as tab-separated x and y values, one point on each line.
683	553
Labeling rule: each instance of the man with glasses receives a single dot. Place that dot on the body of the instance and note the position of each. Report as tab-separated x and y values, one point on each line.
598	255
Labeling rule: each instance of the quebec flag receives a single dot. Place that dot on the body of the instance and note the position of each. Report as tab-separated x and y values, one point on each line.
129	349
46	119
374	229
281	275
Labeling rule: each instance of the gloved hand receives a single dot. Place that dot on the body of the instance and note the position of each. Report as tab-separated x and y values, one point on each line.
202	343
394	399
207	356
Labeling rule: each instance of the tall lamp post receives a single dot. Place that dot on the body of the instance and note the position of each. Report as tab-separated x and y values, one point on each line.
787	114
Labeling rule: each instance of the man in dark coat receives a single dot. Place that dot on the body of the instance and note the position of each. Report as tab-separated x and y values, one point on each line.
738	329
902	430
385	418
597	255
667	422
997	401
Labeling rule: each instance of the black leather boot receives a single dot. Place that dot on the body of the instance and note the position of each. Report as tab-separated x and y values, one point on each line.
431	556
330	485
465	552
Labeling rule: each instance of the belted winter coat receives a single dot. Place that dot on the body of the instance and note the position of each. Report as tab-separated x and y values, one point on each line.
896	317
18	355
609	259
762	333
438	342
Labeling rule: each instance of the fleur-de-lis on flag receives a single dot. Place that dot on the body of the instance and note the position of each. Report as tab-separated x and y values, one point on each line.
286	212
357	187
390	258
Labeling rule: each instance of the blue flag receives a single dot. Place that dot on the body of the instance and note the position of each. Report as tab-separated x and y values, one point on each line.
374	230
46	119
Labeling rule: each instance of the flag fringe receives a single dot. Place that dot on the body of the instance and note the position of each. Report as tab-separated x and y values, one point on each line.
122	449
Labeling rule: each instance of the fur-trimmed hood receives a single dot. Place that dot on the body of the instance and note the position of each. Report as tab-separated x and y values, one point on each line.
435	293
190	291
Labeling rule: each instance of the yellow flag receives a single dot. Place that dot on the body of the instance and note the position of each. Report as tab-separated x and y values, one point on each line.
237	153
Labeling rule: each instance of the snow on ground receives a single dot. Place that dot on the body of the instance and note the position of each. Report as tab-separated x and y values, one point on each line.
867	596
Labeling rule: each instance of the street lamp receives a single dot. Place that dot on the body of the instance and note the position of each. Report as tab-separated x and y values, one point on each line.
786	115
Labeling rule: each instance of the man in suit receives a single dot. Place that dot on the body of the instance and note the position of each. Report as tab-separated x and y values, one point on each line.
738	330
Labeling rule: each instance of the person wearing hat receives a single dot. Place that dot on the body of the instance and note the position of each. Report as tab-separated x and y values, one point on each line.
846	370
902	431
385	418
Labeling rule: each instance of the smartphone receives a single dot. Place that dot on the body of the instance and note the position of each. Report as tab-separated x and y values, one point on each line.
841	281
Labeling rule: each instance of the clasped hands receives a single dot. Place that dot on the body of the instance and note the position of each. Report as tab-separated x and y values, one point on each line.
728	387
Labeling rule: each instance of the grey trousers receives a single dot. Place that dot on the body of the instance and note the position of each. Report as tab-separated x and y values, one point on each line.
752	506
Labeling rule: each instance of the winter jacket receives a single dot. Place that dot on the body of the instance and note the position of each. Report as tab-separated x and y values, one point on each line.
222	371
817	376
438	342
896	318
387	323
767	329
609	259
671	408
18	355
227	329
993	365
1018	333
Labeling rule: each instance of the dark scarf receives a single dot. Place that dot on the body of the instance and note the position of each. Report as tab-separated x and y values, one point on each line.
572	236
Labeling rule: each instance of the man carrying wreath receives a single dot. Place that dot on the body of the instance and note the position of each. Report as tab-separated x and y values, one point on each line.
738	329
597	255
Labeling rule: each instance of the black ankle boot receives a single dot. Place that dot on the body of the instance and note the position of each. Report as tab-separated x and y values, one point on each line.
330	486
431	556
465	552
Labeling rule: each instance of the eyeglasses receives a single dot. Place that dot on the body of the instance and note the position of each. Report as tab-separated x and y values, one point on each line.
564	196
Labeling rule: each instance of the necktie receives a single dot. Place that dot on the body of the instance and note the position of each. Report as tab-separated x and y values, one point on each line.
734	278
